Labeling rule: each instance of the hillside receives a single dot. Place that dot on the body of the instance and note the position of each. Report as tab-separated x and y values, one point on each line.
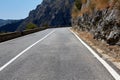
55	13
99	17
11	27
4	22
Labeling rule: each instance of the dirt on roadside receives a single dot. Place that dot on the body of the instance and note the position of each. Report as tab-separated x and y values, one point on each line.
109	52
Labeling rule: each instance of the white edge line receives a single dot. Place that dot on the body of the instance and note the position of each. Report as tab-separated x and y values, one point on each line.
115	75
13	59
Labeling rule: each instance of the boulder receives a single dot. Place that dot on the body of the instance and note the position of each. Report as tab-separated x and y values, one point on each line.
114	37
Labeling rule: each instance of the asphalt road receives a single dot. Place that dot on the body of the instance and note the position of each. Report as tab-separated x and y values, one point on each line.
59	56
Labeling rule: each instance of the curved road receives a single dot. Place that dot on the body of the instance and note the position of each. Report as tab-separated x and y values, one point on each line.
57	56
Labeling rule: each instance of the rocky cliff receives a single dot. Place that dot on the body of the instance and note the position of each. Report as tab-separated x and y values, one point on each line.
50	12
101	18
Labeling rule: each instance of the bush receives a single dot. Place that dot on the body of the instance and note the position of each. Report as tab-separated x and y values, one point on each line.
75	12
31	26
78	4
46	25
117	5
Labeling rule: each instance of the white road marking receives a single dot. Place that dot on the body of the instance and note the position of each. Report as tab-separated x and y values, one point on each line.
105	64
13	59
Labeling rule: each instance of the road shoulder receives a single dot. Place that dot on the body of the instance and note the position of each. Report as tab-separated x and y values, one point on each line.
104	59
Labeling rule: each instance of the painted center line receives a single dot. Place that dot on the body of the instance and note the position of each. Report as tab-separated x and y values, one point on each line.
115	75
13	59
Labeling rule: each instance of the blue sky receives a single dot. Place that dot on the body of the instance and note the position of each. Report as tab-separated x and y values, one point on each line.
17	9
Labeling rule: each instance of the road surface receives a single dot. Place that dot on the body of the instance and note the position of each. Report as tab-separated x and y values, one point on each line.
57	56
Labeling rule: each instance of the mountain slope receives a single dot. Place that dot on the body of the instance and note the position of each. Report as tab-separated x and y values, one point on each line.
11	27
4	22
101	18
50	12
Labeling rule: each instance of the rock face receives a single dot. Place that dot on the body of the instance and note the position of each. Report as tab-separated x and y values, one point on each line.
104	23
50	12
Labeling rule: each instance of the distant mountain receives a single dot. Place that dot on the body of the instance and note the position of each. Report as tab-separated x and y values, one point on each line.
11	27
4	22
50	12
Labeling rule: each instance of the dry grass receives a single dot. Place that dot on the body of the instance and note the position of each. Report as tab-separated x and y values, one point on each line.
84	1
88	7
101	4
95	4
112	51
75	12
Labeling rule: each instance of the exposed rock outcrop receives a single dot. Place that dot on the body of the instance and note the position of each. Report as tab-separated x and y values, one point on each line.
54	13
103	23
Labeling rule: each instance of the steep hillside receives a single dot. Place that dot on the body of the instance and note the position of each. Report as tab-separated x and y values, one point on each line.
4	22
50	12
11	27
100	17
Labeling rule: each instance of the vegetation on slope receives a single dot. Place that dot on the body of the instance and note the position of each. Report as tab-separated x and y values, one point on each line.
78	4
31	26
88	6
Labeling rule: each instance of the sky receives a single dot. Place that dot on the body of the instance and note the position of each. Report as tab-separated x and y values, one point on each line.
17	9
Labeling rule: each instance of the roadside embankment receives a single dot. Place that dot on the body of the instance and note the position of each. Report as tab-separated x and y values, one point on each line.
12	35
108	52
99	17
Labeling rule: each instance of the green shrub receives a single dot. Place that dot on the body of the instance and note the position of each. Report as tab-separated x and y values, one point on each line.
31	26
78	4
46	25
